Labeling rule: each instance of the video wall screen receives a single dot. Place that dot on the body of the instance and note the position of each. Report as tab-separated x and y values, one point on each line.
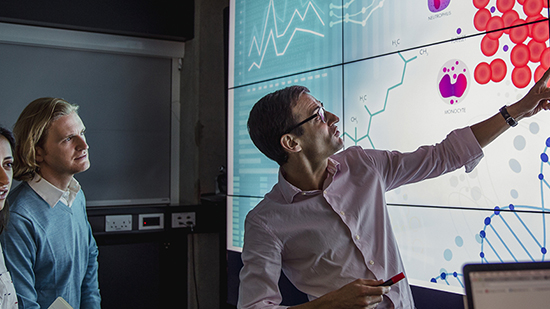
401	74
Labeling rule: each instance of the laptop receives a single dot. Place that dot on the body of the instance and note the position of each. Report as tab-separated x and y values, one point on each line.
507	285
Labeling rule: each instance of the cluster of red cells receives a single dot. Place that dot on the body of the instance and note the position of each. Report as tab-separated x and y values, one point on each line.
526	50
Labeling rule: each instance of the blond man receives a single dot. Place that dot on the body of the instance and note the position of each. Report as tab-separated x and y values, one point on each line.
48	243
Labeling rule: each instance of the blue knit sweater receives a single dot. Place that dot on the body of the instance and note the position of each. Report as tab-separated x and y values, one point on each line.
50	252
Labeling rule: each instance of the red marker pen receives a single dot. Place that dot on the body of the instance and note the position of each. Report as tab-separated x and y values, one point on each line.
393	279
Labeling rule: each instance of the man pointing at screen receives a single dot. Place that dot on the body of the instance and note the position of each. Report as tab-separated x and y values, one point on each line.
325	222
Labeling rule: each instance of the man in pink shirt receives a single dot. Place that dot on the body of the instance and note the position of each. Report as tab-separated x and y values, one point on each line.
325	223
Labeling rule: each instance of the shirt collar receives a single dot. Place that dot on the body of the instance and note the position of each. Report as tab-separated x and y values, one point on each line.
51	194
333	166
289	191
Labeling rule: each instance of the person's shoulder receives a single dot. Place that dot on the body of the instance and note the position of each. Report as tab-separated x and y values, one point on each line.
21	196
266	204
355	152
80	198
349	151
20	188
260	206
25	202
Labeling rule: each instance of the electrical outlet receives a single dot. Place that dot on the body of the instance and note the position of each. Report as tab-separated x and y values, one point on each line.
118	223
183	219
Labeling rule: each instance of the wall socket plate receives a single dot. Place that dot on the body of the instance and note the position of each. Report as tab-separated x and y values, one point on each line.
151	221
183	219
118	223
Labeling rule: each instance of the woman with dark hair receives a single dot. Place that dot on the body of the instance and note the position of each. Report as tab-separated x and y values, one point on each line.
8	297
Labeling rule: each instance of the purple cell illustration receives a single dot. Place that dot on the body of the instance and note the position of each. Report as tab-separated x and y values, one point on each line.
438	5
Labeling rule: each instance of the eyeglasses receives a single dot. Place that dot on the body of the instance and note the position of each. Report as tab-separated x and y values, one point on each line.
320	112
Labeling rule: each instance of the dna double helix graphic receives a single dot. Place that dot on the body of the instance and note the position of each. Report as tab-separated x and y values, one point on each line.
513	233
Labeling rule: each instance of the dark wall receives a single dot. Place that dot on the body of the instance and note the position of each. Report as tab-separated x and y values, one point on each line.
161	19
143	269
125	103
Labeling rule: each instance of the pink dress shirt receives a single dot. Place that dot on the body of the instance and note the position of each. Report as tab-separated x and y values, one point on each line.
325	239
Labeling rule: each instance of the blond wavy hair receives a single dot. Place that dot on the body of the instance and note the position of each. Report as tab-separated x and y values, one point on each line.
31	130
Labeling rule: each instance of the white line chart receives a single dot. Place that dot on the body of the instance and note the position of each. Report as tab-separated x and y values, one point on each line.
355	18
272	34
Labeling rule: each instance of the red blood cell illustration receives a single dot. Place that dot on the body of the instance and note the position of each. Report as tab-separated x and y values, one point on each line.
481	18
521	76
539	71
545	58
482	73
505	5
489	46
534	18
480	3
528	34
520	55
498	70
539	31
535	50
495	23
531	19
518	34
508	18
532	7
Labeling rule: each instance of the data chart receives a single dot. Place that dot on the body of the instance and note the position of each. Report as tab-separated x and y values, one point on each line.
277	38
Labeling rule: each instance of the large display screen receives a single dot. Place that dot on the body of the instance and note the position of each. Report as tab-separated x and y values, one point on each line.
401	74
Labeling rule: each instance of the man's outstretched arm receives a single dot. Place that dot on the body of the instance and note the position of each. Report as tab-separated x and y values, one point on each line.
537	99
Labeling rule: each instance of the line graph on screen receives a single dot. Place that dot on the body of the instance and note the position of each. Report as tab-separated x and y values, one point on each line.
271	33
